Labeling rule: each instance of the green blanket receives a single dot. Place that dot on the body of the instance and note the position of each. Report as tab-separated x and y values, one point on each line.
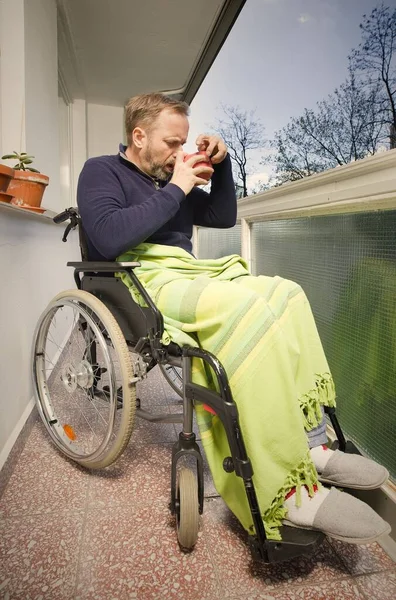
263	332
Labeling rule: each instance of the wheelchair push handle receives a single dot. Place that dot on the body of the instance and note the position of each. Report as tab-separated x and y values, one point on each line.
70	213
66	214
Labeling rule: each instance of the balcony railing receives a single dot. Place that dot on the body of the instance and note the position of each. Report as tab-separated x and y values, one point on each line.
335	234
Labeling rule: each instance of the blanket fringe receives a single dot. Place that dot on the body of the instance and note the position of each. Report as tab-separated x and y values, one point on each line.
304	475
322	395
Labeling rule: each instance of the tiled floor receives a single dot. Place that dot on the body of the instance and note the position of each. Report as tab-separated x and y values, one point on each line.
72	534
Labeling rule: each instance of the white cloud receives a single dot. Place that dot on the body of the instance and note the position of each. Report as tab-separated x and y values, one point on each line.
264	152
263	177
304	18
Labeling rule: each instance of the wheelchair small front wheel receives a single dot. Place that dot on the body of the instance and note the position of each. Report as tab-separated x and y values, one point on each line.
187	509
83	379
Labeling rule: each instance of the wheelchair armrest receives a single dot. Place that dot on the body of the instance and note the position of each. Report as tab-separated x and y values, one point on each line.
92	266
89	266
102	266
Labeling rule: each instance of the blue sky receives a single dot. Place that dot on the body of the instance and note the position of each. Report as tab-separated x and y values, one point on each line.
282	56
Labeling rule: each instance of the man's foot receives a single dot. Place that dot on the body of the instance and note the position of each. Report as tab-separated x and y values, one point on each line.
347	470
336	514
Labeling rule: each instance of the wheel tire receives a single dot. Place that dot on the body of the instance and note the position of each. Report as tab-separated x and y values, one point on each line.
116	447
187	517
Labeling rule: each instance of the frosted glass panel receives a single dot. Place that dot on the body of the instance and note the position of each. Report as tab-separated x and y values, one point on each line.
214	243
347	267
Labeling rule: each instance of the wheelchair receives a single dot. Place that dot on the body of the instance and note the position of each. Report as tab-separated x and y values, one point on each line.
91	347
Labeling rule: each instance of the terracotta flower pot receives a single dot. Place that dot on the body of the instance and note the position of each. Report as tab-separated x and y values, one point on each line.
6	174
5	197
28	186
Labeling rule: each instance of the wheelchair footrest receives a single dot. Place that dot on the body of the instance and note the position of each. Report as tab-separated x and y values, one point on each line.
295	542
350	447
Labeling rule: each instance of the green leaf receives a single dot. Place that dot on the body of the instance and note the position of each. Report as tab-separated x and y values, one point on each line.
27	161
33	170
6	156
24	158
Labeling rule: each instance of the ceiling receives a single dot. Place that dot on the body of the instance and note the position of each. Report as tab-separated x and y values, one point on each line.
110	50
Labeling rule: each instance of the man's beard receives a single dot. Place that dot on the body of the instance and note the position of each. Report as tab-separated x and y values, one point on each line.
155	169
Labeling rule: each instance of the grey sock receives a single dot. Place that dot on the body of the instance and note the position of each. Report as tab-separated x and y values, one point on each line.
317	436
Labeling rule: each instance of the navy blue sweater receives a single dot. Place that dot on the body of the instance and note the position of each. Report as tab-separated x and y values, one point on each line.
121	207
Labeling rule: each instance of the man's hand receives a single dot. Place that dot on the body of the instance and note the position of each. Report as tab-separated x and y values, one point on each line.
214	147
185	176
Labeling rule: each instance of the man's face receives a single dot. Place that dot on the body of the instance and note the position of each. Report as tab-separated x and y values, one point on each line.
166	137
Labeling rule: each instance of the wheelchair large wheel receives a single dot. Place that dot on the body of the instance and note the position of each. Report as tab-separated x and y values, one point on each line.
83	379
173	376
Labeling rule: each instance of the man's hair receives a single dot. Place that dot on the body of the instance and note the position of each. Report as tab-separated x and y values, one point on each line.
143	110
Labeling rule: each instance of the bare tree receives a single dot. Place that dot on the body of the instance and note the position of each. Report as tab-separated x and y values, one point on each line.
357	118
344	127
375	59
242	131
295	155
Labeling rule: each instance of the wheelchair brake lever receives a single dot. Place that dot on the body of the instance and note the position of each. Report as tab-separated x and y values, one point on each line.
67	231
72	225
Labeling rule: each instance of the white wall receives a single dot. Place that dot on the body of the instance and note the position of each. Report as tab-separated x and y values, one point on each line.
79	141
32	255
105	129
29	87
33	269
41	93
64	153
12	69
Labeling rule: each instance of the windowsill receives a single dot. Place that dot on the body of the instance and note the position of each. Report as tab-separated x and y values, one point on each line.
46	216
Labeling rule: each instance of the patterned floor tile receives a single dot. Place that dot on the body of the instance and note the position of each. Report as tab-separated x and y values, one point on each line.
240	575
146	432
16	451
218	511
362	559
379	586
42	483
129	548
141	475
39	440
133	553
151	389
39	555
332	590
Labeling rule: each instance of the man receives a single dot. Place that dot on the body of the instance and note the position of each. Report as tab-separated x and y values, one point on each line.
141	205
139	195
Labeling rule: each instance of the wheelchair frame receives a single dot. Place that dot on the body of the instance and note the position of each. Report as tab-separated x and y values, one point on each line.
143	328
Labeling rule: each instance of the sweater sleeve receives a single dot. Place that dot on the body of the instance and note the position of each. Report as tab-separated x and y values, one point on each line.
111	225
219	207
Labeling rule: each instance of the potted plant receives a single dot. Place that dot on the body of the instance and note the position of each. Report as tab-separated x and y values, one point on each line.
28	184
